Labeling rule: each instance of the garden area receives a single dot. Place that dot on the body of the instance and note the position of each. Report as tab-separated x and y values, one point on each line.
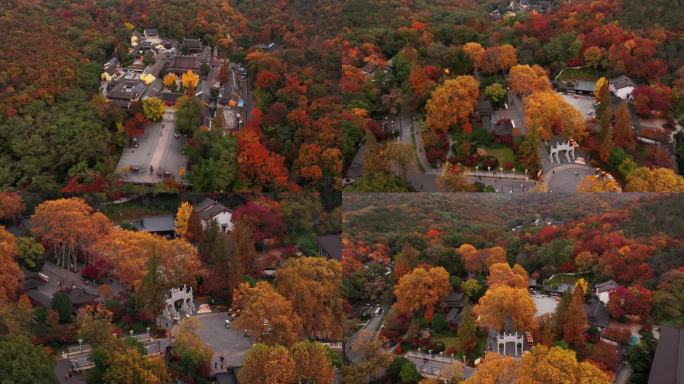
485	151
570	75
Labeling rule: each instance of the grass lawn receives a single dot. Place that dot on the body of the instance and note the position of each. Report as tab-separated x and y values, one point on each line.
504	154
449	341
136	209
588	74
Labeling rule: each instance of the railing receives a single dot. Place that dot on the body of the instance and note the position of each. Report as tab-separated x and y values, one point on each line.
499	175
439	358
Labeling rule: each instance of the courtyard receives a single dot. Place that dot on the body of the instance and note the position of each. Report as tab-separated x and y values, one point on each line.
159	154
545	304
229	343
583	103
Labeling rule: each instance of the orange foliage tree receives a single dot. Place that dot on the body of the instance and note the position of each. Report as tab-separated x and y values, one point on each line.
10	273
312	284
266	313
11	206
480	260
421	289
502	301
503	274
575	320
126	253
258	166
69	227
451	102
548	112
525	79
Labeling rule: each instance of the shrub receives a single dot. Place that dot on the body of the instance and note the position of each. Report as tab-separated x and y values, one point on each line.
489	162
618	335
439	324
92	272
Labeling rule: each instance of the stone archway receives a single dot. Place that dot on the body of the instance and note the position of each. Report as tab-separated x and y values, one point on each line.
183	296
567	148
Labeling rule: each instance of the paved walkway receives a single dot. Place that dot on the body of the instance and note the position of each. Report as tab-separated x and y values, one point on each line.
565	177
55	274
158	148
420	180
168	123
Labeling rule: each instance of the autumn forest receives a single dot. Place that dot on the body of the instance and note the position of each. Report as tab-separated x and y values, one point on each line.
341	191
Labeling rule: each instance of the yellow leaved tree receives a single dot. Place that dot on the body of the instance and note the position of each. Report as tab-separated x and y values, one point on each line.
190	80
183	218
451	102
421	289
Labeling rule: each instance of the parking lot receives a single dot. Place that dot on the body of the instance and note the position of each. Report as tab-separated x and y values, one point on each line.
158	154
582	103
229	343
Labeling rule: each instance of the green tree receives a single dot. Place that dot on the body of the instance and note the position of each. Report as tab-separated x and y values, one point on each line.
189	348
627	167
439	324
467	333
152	291
409	373
528	154
640	357
21	362
62	304
496	93
213	161
188	115
554	254
395	367
379	182
472	289
148	58
31	253
153	108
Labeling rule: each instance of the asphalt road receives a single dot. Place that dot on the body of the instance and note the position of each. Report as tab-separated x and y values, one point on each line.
421	181
229	343
373	325
564	178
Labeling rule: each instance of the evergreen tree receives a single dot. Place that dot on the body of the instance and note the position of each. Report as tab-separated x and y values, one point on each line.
152	292
194	228
560	313
467	333
528	152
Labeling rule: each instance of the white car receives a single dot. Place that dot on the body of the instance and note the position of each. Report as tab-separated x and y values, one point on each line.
347	181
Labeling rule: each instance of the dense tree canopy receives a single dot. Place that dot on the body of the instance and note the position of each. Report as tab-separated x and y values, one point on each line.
312	285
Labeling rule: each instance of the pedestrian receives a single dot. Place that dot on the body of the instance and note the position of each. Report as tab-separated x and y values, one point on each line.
66	376
215	365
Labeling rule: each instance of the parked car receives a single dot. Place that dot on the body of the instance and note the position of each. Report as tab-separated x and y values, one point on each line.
347	181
